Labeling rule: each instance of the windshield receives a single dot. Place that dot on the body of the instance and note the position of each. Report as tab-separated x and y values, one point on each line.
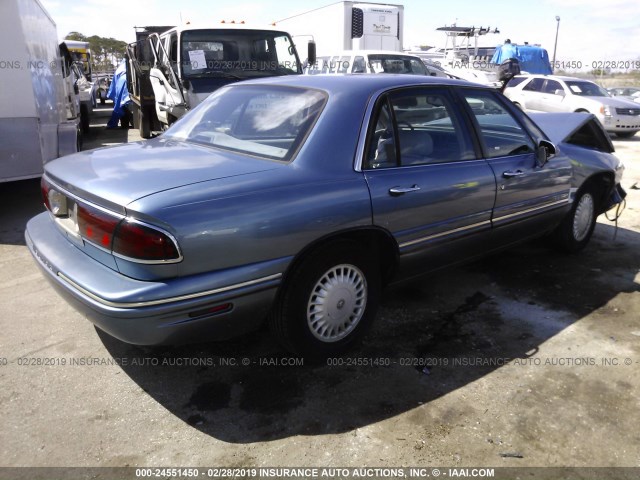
235	52
396	64
264	121
587	89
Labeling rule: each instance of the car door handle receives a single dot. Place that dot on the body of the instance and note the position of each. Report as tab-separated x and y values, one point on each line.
510	174
395	191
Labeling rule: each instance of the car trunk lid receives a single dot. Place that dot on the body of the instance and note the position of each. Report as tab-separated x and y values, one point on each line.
114	177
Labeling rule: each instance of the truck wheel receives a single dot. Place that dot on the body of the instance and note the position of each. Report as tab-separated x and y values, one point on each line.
575	231
144	120
625	134
84	119
102	101
328	302
79	139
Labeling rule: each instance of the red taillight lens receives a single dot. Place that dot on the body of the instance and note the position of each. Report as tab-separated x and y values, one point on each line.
44	189
96	226
125	238
141	242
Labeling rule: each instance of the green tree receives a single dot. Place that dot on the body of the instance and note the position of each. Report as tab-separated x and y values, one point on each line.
76	36
106	52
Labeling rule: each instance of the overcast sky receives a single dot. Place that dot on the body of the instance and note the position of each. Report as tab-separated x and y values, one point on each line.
590	30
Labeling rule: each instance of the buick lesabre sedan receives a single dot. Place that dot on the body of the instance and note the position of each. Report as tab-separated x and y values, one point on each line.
297	199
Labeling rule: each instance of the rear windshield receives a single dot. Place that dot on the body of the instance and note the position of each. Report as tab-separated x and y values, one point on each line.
264	121
382	63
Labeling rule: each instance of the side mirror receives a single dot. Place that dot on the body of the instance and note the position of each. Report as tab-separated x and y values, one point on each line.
311	52
545	152
559	92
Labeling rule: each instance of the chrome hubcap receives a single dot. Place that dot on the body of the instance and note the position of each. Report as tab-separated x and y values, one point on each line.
337	303
583	217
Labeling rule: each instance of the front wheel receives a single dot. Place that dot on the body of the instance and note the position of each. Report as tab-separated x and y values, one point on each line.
625	134
144	122
328	302
575	231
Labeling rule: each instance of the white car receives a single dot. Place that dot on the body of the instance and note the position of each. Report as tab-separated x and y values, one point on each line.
372	61
548	93
629	93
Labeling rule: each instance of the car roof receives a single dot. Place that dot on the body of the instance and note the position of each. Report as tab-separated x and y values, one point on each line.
341	84
557	77
363	53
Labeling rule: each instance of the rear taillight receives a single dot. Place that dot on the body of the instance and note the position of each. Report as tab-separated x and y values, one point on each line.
121	236
44	190
96	225
142	242
55	201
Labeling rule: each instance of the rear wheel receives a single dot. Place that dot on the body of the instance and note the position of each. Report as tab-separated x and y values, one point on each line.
575	231
79	139
84	119
328	301
144	122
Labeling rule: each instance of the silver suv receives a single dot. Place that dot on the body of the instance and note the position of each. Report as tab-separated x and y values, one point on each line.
547	93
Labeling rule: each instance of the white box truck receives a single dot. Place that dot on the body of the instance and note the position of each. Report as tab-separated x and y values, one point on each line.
38	111
349	26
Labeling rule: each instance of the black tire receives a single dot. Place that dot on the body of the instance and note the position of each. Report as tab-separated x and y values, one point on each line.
349	281
84	119
102	101
625	134
79	139
575	231
144	120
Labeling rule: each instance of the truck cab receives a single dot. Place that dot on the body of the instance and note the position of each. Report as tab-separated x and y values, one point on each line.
185	64
81	69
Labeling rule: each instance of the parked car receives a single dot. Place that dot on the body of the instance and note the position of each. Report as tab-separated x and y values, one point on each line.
628	93
372	61
102	82
299	198
547	93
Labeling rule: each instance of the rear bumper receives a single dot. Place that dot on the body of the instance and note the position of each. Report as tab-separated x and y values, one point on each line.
150	313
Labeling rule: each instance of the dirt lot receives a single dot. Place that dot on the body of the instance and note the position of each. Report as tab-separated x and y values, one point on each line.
528	358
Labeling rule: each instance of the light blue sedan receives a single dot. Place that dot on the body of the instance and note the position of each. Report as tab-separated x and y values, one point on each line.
298	199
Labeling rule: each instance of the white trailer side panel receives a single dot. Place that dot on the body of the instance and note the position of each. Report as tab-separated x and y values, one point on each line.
330	27
16	92
32	98
378	26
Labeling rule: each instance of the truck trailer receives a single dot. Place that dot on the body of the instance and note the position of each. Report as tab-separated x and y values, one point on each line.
349	26
172	69
39	113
